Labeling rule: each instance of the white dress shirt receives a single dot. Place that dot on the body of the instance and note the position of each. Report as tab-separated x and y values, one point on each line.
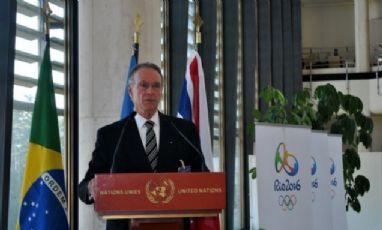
143	129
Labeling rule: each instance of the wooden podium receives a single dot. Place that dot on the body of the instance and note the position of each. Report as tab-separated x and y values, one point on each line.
159	200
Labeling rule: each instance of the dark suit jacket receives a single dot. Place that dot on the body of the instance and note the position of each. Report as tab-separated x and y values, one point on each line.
130	155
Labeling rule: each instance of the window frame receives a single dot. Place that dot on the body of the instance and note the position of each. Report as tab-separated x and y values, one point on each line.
7	42
68	89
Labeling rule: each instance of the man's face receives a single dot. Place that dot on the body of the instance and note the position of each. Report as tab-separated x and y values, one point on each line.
146	91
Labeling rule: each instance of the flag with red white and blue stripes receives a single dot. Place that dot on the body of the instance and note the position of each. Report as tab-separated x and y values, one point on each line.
193	104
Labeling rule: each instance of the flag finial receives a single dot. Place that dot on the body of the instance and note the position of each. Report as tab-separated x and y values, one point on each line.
198	22
137	25
46	12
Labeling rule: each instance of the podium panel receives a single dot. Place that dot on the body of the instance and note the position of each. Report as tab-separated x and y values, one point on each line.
159	195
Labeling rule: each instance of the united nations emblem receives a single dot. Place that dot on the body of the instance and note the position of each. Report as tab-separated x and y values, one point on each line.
160	191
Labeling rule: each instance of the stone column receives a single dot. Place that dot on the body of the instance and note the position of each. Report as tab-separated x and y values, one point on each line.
86	115
362	43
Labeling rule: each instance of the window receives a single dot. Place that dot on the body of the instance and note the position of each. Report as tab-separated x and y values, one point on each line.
29	49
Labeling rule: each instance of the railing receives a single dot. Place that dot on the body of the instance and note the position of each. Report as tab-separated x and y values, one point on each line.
336	57
329	57
379	68
376	54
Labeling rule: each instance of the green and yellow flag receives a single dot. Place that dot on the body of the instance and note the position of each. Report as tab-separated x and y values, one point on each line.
43	194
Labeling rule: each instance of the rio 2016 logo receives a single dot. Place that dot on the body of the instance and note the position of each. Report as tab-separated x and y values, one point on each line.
332	167
313	169
285	160
333	180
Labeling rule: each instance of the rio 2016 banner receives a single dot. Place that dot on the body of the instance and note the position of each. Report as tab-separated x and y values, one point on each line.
336	184
283	174
320	178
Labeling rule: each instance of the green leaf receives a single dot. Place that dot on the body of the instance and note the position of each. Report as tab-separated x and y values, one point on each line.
266	94
336	128
279	97
361	184
368	125
351	104
365	138
352	159
302	112
253	172
257	115
322	90
328	101
352	193
348	128
356	205
360	119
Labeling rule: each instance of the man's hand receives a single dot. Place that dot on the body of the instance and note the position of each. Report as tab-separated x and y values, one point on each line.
91	189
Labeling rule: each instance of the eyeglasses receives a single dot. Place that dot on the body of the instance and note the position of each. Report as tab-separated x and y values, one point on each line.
145	85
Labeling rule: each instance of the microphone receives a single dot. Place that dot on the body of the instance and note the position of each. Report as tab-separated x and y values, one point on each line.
119	142
203	166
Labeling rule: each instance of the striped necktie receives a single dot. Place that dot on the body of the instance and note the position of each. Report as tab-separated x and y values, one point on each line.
151	145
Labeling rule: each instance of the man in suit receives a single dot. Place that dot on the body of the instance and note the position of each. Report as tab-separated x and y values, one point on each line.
145	141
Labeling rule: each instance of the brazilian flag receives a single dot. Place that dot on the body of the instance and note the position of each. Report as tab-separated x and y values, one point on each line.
43	193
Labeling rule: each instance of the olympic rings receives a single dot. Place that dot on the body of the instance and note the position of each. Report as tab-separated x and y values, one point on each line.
313	169
287	202
332	166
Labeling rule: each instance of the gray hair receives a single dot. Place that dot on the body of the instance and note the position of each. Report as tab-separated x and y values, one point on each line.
144	65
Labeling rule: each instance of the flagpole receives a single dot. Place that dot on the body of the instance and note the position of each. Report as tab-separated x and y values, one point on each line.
127	103
198	22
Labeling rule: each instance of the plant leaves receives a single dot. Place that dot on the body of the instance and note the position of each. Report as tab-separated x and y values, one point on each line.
253	172
360	119
266	94
257	115
361	184
356	205
348	128
368	125
365	138
351	104
328	102
352	159
336	128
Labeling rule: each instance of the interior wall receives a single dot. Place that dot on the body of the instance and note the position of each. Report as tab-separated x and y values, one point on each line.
327	25
106	31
